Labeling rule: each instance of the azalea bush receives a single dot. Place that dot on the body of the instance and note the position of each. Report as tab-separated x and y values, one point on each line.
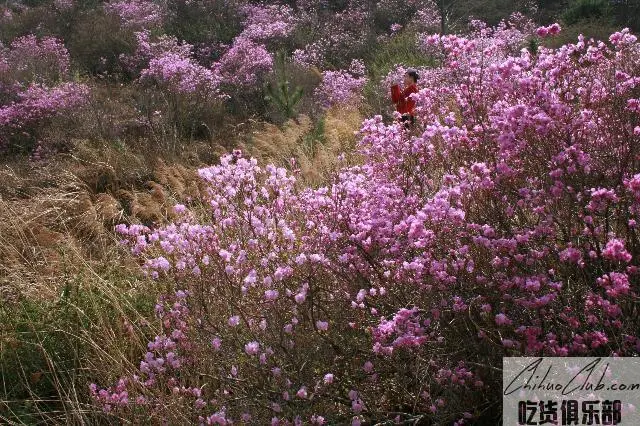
342	87
268	22
35	87
505	224
32	59
189	90
245	63
136	14
348	34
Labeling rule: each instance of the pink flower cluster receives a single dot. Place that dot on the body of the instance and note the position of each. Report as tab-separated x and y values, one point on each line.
395	28
313	55
341	36
167	355
244	63
487	43
41	102
181	74
551	30
136	14
505	222
267	22
171	65
32	59
342	87
428	17
406	329
149	47
33	72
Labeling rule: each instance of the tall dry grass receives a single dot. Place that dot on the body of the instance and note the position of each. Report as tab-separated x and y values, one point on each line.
72	300
316	147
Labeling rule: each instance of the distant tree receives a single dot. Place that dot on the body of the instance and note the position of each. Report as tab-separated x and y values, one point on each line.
454	14
581	10
281	94
446	10
627	13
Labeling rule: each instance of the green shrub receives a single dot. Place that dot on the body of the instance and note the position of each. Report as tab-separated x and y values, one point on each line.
97	41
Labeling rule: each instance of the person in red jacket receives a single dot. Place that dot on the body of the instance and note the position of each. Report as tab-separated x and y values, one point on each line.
402	99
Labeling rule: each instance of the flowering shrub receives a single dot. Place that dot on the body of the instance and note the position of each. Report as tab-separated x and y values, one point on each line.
268	22
428	17
505	226
180	94
507	38
149	47
342	87
40	102
136	14
342	36
34	106
165	59
32	59
31	91
244	63
180	74
311	56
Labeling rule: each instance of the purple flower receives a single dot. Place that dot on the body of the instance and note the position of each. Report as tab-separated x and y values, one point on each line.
322	325
302	393
252	348
234	321
502	319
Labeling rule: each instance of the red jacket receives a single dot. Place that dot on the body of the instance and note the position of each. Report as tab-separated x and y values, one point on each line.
404	104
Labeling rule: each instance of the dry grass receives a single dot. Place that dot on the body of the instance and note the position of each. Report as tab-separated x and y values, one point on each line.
74	306
315	150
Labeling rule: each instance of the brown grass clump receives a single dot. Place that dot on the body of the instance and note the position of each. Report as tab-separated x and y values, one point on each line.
72	300
279	144
108	209
149	207
339	138
315	148
58	215
31	250
183	182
